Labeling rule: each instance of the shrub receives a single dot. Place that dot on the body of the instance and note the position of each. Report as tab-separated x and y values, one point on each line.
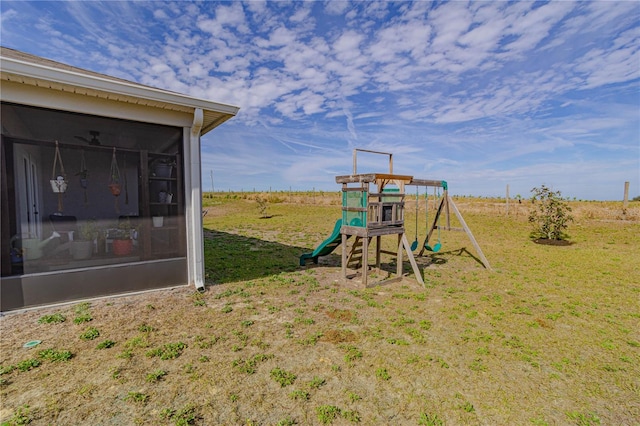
550	214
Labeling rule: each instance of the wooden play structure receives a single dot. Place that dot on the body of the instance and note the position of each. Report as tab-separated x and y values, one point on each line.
373	207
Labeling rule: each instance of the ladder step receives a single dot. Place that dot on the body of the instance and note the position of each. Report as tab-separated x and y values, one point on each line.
354	260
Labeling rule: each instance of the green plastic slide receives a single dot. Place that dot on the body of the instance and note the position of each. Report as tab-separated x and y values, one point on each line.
326	247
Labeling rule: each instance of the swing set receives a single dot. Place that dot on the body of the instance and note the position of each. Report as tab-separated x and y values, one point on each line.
373	208
444	204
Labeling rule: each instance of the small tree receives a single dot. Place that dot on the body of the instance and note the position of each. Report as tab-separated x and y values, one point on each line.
550	214
263	204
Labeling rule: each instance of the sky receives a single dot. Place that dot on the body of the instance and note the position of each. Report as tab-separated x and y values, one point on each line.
480	94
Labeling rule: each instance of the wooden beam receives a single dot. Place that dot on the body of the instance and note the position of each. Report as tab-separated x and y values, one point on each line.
371	177
412	260
427	182
485	262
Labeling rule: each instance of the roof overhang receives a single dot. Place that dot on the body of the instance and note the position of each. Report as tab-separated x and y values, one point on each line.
26	69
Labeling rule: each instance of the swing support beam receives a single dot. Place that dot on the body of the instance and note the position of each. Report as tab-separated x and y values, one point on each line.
446	203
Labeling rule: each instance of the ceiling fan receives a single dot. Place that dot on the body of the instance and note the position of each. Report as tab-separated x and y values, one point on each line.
94	138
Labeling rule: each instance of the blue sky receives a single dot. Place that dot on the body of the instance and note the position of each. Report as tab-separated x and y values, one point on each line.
479	94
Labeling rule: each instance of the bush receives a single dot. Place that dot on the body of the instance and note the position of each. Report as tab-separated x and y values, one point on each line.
550	214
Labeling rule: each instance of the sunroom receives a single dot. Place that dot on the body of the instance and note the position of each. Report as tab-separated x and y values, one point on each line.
101	184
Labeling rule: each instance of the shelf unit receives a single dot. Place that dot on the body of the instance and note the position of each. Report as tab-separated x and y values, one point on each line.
168	240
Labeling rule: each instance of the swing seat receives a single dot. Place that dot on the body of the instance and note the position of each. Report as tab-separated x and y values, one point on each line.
436	248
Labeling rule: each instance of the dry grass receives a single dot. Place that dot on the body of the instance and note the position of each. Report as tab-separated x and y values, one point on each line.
550	336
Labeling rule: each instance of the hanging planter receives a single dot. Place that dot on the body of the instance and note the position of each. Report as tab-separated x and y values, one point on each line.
114	182
58	179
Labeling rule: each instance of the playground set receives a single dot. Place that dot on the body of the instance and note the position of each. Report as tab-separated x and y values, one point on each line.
373	206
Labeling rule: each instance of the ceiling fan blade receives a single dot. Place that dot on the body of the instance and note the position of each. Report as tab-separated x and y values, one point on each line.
94	140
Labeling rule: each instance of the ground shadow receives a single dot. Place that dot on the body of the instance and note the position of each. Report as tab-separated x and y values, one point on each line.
552	242
440	258
231	257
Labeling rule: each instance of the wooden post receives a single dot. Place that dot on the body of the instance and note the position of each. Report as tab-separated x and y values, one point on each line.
412	260
507	199
399	257
365	260
625	202
344	256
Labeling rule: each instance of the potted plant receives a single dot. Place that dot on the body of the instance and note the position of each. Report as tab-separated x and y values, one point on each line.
82	246
122	243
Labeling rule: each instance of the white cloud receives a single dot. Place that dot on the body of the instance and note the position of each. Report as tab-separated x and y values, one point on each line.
336	7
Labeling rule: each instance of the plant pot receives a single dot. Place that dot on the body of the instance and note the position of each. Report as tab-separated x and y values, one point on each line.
115	188
122	247
163	170
157	221
81	249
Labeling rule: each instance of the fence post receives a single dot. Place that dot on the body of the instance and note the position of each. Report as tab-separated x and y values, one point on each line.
507	199
625	202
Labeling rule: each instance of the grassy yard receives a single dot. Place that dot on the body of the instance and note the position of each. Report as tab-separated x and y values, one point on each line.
550	336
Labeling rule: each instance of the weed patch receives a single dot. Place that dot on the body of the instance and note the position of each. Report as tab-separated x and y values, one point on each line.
137	397
249	366
106	344
430	420
352	354
156	376
55	355
327	413
284	378
27	364
82	313
168	351
52	319
90	334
